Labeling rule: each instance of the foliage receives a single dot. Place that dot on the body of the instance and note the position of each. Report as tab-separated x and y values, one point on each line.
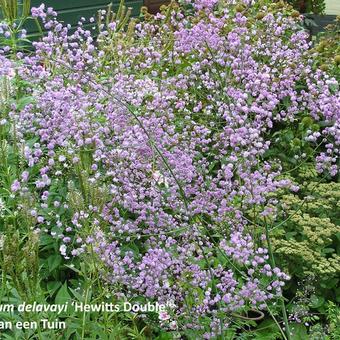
14	15
309	6
312	234
169	162
327	50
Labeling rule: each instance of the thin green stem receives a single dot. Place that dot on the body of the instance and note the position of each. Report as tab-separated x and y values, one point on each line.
272	260
84	314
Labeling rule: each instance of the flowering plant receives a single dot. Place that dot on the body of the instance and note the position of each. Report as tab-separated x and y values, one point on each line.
152	152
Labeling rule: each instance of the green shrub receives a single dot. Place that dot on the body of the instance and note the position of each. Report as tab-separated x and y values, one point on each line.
309	6
327	50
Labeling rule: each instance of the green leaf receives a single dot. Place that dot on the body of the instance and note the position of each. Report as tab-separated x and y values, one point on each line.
164	336
73	268
290	235
53	286
78	296
329	283
46	240
54	262
286	101
337	294
288	135
298	331
22	102
63	295
316	301
267	330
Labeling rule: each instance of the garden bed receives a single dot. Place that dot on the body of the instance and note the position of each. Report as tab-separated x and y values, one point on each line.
174	177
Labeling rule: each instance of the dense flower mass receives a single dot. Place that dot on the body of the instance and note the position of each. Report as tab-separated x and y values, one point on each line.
148	149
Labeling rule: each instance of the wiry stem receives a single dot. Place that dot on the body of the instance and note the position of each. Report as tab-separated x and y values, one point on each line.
283	306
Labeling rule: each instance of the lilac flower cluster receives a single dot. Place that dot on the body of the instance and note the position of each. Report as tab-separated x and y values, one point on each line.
159	141
170	271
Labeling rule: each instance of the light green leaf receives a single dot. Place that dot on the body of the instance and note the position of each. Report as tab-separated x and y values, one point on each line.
63	295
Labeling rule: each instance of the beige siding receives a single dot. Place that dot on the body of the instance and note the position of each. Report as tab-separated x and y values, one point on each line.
333	7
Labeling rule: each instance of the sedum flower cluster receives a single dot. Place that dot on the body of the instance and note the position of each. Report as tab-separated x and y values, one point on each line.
144	149
308	242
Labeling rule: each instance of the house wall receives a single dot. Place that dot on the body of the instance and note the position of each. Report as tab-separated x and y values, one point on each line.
70	11
333	7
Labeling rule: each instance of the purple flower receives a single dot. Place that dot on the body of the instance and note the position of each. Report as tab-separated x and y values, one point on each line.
15	186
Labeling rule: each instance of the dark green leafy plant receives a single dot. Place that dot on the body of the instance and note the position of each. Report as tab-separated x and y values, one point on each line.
327	50
309	6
